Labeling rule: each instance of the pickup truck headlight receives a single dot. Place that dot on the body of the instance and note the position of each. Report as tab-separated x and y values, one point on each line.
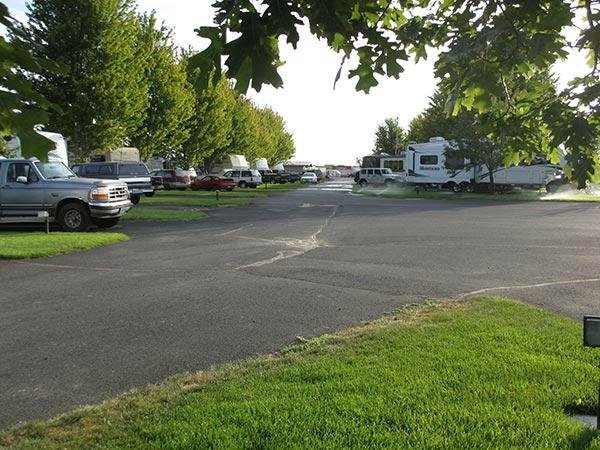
99	194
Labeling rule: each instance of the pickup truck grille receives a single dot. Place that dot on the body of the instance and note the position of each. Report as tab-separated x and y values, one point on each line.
118	194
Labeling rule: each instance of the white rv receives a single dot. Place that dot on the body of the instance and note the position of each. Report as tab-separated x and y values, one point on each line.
57	154
426	164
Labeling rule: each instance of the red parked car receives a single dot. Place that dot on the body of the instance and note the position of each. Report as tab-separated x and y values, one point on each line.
213	183
171	179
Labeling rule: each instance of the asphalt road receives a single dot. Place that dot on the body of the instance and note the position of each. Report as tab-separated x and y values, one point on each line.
80	328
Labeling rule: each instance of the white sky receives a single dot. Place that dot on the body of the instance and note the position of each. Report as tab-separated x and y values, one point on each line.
328	126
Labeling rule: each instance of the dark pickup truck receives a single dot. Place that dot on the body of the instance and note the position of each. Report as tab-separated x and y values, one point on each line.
134	174
273	176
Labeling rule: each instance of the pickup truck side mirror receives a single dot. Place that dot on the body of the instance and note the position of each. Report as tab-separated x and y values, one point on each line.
22	180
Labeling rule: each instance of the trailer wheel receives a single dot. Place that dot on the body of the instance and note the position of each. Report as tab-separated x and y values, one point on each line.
465	187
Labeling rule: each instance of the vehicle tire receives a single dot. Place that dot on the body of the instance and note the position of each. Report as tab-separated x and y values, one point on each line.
363	183
243	184
464	186
74	217
553	186
106	223
135	198
150	194
253	186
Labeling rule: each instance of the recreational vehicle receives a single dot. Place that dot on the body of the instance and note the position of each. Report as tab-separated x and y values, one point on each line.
427	164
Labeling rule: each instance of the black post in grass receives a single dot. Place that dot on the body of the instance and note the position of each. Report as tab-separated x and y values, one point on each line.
217	194
591	338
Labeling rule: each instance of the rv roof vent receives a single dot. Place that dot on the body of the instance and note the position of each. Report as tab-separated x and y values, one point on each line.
437	139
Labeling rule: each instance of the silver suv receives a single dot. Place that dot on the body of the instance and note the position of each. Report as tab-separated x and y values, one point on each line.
32	191
244	178
377	176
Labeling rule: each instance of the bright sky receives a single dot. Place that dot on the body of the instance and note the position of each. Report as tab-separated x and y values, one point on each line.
328	126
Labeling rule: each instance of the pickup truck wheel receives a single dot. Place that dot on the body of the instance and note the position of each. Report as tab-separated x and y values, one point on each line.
150	194
135	198
106	223
243	184
74	217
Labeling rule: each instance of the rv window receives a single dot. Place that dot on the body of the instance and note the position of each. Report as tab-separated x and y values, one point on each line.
455	162
429	160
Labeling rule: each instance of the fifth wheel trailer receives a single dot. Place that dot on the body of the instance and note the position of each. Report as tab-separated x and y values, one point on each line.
427	164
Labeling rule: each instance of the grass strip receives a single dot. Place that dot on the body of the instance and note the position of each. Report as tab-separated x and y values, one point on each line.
23	245
516	195
147	213
488	373
197	200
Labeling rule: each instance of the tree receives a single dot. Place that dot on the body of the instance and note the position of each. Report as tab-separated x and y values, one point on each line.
502	135
482	44
22	106
101	92
390	138
211	125
170	96
245	133
277	144
435	121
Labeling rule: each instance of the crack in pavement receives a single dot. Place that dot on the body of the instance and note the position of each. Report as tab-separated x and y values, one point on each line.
299	246
528	286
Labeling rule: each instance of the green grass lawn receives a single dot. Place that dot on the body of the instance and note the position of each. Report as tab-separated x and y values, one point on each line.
201	199
516	195
148	213
22	245
490	373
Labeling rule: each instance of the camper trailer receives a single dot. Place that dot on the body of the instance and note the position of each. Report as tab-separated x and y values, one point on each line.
57	154
426	164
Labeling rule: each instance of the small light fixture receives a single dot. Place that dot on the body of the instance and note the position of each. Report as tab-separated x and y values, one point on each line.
591	331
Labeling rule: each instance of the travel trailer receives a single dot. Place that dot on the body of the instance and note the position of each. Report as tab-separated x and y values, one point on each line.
57	154
426	164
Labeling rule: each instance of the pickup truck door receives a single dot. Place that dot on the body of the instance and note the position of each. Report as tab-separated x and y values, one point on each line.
21	199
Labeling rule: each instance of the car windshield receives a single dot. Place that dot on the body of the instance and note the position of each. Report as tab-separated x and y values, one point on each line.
133	169
54	170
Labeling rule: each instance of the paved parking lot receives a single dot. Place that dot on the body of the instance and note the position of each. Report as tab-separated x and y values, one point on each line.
83	327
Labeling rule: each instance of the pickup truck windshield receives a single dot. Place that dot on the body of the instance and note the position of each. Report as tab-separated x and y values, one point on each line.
133	169
53	170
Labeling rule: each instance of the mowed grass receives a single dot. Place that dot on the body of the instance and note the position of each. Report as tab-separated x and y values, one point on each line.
488	373
520	195
22	245
157	214
201	199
